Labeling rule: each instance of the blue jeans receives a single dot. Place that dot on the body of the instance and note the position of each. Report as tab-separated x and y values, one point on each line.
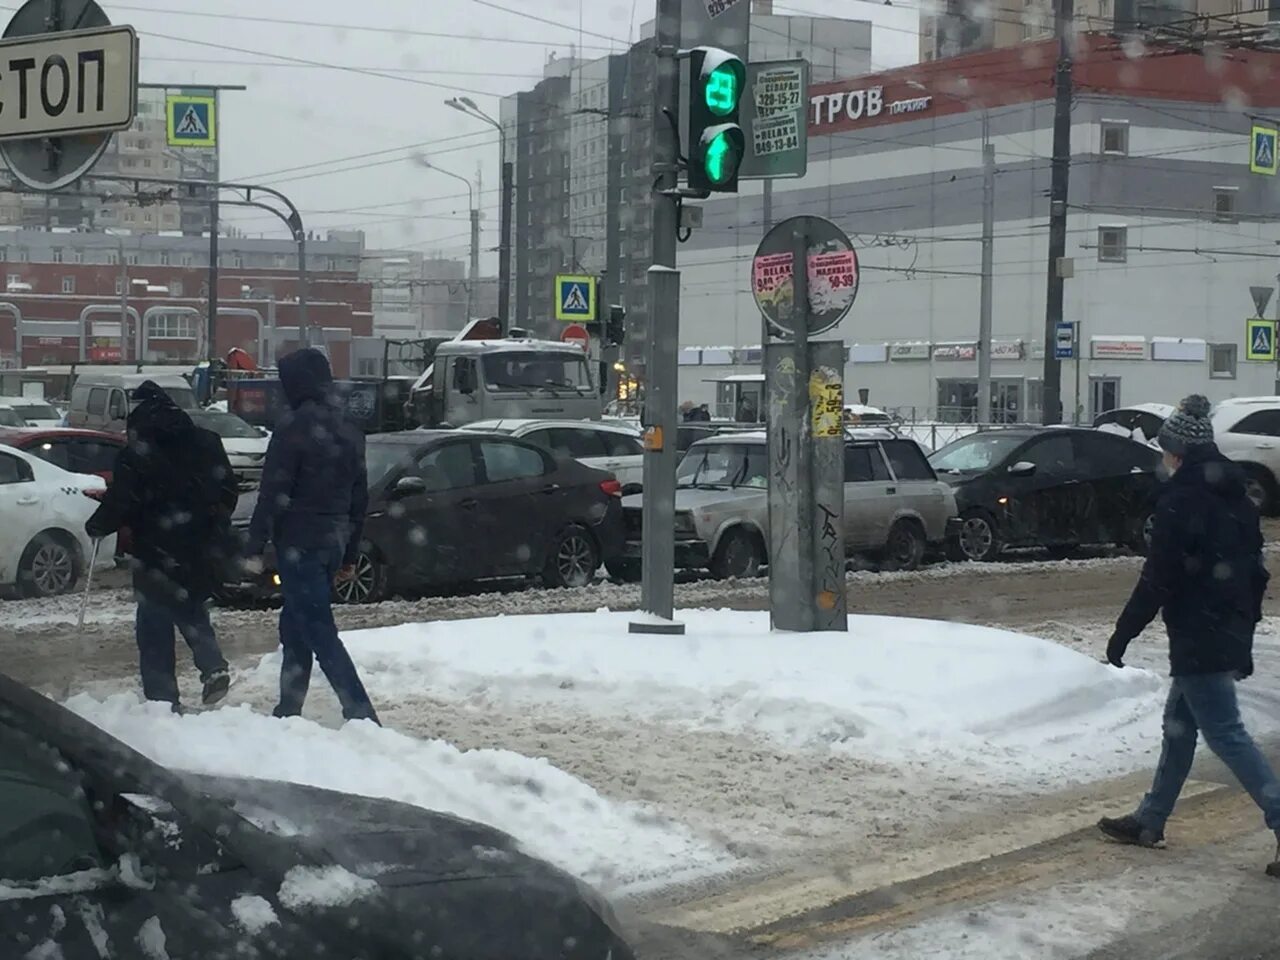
1207	703
308	633
154	629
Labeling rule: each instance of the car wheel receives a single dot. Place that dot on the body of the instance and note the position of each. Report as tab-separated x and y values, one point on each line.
905	547
50	566
369	585
977	539
573	561
1142	542
739	556
626	569
1261	489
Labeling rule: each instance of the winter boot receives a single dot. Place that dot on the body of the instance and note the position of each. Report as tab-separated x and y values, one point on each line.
215	687
1273	868
1129	830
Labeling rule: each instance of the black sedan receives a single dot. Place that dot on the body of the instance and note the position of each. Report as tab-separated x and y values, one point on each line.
104	854
448	508
1053	487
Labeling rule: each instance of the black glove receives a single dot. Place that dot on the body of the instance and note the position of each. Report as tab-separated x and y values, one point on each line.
1115	650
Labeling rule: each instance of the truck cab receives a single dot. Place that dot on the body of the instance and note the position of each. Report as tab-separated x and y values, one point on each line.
475	380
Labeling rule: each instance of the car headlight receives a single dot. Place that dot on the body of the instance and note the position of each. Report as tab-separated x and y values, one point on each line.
685	525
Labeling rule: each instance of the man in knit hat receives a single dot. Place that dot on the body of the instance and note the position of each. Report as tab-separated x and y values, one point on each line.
1204	570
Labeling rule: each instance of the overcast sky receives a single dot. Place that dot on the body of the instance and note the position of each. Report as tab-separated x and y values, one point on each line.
296	115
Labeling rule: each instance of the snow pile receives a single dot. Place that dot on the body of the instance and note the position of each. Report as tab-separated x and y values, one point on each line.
894	690
253	913
331	886
553	815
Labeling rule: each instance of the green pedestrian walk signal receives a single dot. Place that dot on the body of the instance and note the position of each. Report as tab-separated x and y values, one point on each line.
715	140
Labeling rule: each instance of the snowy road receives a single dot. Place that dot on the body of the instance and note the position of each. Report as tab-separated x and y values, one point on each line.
689	807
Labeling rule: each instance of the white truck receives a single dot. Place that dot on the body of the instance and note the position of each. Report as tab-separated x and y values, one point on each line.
474	380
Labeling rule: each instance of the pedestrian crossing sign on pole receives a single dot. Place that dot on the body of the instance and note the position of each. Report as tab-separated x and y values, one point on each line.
1262	151
575	299
192	121
1260	340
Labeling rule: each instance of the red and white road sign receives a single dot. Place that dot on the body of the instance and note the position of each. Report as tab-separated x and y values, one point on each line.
576	333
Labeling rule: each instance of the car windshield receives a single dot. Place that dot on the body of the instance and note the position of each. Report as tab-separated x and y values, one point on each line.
226	425
531	369
35	410
381	458
724	465
11	418
975	453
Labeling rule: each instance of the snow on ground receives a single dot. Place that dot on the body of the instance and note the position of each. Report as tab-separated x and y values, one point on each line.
554	815
968	700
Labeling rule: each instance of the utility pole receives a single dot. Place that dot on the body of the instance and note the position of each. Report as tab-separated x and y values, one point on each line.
1058	209
657	591
766	215
504	244
988	243
475	263
212	324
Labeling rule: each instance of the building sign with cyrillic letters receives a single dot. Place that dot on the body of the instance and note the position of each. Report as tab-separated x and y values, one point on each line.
1119	348
955	351
1006	350
909	351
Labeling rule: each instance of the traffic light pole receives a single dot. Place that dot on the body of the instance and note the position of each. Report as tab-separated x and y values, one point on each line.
657	592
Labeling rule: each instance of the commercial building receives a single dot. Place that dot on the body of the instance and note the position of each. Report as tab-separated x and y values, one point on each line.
141	151
1168	229
580	143
952	28
65	293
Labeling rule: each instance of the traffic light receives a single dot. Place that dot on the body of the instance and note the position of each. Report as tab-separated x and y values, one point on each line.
716	143
615	329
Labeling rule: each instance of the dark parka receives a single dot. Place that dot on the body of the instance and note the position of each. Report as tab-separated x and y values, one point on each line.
174	488
314	491
1204	569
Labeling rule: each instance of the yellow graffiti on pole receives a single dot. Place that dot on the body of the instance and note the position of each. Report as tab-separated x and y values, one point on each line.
826	403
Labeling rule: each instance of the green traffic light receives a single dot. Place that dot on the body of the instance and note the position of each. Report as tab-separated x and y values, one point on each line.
721	159
722	90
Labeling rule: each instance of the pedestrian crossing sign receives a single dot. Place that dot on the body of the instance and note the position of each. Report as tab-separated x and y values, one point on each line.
1262	151
1260	340
575	299
192	121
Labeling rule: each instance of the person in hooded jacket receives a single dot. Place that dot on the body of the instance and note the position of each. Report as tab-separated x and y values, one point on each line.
311	506
1205	571
174	489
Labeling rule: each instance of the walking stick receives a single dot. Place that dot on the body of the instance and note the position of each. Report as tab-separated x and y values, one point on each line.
88	583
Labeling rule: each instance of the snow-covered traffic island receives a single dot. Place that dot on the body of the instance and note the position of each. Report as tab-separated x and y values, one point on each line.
642	762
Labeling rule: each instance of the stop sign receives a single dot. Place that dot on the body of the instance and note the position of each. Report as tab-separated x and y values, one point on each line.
576	333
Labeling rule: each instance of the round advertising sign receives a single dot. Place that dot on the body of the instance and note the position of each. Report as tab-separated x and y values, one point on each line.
832	272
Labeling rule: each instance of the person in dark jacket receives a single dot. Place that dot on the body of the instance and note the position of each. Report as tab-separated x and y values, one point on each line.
1205	571
174	489
311	506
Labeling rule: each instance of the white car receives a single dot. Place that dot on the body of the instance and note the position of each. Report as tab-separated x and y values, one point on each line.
1140	422
33	411
605	446
44	549
245	444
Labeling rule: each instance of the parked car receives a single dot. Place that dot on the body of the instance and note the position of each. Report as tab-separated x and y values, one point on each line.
33	411
150	862
605	446
1055	487
451	506
44	549
76	451
103	401
1246	429
894	505
10	417
245	444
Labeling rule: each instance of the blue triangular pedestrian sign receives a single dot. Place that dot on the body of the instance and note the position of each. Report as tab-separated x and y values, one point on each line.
576	298
1263	154
1260	342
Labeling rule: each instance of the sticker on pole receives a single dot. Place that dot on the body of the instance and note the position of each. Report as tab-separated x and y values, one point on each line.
775	135
826	403
778	91
832	272
1260	340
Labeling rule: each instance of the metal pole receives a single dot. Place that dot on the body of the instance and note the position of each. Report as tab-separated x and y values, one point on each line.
212	324
124	304
1079	363
475	261
988	243
804	435
657	591
1058	210
301	236
766	215
504	244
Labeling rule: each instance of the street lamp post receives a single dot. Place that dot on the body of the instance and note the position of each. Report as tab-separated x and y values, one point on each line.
468	106
475	233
